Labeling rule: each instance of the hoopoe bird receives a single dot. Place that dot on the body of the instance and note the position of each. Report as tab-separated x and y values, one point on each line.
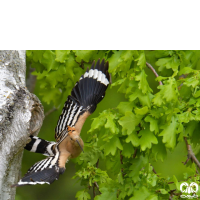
86	94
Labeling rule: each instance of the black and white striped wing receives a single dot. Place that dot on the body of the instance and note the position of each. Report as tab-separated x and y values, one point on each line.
86	94
44	171
70	113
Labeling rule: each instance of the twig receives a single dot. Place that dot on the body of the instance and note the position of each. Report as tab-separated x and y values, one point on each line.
97	164
121	157
170	197
134	154
155	171
191	154
81	64
95	183
50	111
94	194
154	71
97	186
121	160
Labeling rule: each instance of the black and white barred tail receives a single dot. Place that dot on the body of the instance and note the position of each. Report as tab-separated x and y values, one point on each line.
39	145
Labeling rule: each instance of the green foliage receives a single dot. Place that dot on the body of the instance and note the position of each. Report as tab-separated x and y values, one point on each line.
123	142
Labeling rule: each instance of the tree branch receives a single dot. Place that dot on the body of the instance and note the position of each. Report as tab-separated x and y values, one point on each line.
191	154
50	111
95	183
154	71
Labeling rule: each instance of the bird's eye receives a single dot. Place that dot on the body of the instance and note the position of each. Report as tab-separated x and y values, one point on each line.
71	138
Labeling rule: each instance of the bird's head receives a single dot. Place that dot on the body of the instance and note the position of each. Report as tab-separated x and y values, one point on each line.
77	140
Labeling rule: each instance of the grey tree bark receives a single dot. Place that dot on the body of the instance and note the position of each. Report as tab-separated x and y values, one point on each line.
21	114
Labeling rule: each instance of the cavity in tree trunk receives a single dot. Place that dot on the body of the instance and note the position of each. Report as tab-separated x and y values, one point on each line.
21	114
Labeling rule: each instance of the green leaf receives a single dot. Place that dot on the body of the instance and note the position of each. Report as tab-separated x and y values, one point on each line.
186	117
163	191
190	127
170	63
144	99
170	91
49	60
143	84
192	81
110	124
62	55
152	179
54	77
159	150
137	165
120	178
37	55
86	55
153	124
111	147
113	164
152	197
147	139
176	183
186	70
120	61
141	111
133	138
195	139
98	122
141	60
91	154
130	121
123	107
54	96
197	94
108	190
128	150
169	134
82	195
114	62
141	194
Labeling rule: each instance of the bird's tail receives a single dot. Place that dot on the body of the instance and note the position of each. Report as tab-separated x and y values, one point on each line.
91	87
39	145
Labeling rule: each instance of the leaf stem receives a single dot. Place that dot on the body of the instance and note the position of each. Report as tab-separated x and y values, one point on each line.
154	71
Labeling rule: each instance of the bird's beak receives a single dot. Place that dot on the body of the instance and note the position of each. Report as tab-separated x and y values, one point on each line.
80	145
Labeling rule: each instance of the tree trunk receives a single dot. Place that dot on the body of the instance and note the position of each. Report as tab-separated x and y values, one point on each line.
21	114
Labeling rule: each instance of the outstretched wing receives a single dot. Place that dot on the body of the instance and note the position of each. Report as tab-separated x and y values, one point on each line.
86	94
44	171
